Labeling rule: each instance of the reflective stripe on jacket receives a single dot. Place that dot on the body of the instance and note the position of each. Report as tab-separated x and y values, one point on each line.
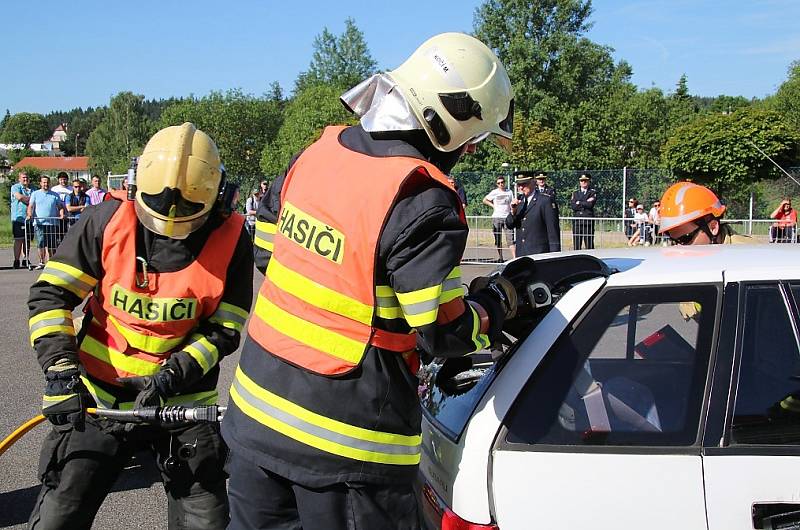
318	302
133	329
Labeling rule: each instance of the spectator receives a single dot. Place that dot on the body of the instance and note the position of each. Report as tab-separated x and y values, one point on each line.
500	200
48	210
582	203
783	231
96	193
21	229
460	190
76	202
61	188
251	209
655	220
641	223
63	192
630	213
263	187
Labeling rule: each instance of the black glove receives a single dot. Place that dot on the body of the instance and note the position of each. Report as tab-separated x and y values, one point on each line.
499	288
65	396
177	374
153	389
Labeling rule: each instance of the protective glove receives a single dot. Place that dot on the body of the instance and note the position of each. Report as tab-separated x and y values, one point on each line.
65	397
153	389
177	373
499	288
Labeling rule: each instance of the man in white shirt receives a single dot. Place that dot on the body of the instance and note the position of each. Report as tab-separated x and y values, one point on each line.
500	200
61	188
655	219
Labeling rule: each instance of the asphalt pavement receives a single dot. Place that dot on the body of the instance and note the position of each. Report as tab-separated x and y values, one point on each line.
137	500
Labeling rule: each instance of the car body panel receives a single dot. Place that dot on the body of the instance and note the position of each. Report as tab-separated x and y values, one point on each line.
589	490
458	471
734	483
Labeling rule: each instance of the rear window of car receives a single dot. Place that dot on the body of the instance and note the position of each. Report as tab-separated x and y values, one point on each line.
449	406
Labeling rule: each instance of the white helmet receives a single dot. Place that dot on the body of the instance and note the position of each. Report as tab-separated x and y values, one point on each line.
458	89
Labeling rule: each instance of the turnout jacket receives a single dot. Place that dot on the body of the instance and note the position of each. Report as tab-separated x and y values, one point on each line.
361	424
197	300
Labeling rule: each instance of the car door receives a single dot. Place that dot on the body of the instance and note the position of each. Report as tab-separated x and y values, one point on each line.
605	434
752	473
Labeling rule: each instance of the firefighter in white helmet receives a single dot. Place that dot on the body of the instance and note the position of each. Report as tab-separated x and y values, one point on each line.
361	242
168	277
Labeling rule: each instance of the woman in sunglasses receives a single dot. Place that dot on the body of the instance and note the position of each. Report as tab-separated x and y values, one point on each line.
692	215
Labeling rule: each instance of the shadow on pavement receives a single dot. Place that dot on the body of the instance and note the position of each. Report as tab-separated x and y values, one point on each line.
140	473
17	505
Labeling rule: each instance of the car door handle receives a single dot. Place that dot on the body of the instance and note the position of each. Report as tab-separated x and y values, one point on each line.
776	516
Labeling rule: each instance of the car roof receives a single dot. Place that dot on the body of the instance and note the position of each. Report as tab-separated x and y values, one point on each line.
695	264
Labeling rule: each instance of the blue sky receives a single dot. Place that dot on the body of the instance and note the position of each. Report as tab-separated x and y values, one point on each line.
60	55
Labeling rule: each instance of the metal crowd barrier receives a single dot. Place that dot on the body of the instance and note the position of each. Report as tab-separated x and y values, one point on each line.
44	233
608	232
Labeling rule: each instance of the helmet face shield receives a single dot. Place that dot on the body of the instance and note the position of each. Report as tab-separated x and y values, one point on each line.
170	203
507	125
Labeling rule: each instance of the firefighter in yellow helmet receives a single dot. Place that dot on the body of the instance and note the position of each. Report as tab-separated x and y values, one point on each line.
361	242
167	270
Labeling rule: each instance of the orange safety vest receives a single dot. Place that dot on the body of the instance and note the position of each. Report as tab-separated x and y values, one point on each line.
317	305
134	329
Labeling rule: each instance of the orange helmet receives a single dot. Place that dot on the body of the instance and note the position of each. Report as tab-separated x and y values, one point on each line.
685	202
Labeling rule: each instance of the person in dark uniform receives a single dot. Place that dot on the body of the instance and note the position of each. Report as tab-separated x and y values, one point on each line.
582	203
535	215
324	418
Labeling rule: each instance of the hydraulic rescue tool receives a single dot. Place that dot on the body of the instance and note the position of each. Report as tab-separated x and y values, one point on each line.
169	415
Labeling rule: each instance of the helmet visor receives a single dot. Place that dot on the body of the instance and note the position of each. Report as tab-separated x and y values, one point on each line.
170	203
507	125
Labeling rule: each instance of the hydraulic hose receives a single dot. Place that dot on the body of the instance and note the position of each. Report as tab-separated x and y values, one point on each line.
150	415
20	432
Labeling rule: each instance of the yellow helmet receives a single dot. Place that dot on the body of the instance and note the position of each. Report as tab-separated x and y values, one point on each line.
178	179
458	89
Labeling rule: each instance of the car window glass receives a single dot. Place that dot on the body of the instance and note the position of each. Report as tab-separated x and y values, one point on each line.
767	409
450	407
632	373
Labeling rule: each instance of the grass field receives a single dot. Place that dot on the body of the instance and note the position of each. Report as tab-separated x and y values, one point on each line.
5	232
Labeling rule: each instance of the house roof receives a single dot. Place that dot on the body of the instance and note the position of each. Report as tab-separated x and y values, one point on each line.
55	163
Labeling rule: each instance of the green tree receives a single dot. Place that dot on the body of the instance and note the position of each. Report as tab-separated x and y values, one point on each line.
25	128
718	150
121	134
79	128
240	124
541	44
342	61
682	107
786	100
5	119
305	116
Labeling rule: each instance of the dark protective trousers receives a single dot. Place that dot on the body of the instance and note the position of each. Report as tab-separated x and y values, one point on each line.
78	469
583	233
262	500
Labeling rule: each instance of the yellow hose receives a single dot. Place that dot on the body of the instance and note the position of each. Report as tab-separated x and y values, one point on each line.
25	427
21	430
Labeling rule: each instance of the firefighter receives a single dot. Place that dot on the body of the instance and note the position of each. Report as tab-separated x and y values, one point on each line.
168	276
361	241
692	215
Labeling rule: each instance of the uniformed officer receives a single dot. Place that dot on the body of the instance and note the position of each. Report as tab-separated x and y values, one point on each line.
582	203
362	241
534	215
168	278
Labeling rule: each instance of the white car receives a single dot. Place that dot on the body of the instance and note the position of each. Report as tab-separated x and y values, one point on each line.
658	389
